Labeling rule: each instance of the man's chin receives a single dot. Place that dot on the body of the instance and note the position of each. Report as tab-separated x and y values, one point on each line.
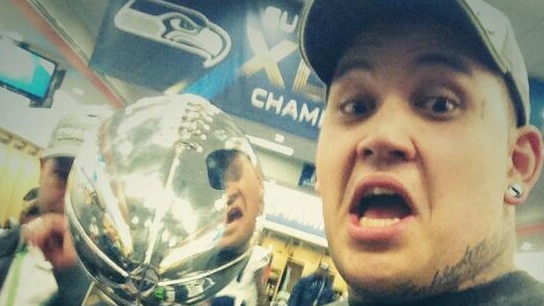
387	288
383	293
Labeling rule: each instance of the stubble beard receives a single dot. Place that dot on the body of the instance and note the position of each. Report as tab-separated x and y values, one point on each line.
470	270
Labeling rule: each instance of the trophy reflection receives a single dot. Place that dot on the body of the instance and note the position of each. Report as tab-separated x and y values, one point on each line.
164	203
235	173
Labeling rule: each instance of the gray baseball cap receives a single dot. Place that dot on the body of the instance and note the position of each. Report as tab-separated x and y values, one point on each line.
328	26
72	130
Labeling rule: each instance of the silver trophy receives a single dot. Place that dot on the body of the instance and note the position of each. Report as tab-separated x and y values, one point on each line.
165	202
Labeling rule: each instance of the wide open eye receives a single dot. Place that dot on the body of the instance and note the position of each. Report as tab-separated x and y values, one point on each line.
438	107
359	107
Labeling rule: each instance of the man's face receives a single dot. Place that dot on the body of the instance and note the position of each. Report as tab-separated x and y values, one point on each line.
244	192
53	175
412	164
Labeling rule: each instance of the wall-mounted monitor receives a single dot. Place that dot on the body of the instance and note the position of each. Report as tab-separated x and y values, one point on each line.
28	73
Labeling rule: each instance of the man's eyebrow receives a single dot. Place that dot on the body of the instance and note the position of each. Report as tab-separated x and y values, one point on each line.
352	64
428	59
449	61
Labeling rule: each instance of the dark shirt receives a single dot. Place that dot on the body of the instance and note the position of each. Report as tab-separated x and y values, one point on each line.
514	289
309	289
9	241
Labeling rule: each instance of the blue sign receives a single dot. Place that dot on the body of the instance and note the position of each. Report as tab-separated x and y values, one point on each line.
242	56
536	89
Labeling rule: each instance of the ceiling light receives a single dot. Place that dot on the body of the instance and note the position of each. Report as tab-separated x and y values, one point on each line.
270	145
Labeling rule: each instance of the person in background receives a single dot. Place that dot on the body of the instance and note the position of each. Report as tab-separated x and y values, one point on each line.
29	213
38	264
314	289
425	150
10	223
29	210
30	206
30	197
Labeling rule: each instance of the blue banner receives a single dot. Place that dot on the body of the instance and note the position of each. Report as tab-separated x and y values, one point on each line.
536	90
243	56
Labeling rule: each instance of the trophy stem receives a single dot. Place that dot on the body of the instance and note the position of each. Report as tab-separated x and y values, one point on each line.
96	297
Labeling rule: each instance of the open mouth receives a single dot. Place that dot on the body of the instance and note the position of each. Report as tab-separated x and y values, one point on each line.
233	214
381	207
233	211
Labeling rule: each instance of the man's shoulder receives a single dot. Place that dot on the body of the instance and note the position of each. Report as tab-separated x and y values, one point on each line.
530	291
516	288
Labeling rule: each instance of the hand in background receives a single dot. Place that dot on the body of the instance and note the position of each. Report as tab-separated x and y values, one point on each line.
50	233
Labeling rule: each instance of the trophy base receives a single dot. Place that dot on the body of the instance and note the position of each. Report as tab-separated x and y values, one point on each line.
95	297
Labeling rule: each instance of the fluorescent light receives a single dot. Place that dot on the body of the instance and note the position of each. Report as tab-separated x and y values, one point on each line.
270	145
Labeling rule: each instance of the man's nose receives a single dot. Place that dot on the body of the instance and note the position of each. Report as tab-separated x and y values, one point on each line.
388	137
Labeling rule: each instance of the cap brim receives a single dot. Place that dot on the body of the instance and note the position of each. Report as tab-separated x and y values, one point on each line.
329	26
60	151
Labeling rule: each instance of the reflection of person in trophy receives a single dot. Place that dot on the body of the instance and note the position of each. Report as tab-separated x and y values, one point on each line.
242	182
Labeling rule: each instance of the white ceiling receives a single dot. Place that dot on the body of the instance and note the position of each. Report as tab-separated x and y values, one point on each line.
78	23
527	17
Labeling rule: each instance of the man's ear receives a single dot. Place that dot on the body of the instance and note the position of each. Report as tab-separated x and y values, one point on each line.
526	162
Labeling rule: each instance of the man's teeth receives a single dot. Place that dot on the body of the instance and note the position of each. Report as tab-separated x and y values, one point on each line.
377	223
376	191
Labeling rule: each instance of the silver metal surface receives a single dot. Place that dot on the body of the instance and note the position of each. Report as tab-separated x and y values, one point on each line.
165	202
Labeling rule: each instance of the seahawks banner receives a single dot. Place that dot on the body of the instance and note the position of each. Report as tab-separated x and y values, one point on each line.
242	55
536	89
